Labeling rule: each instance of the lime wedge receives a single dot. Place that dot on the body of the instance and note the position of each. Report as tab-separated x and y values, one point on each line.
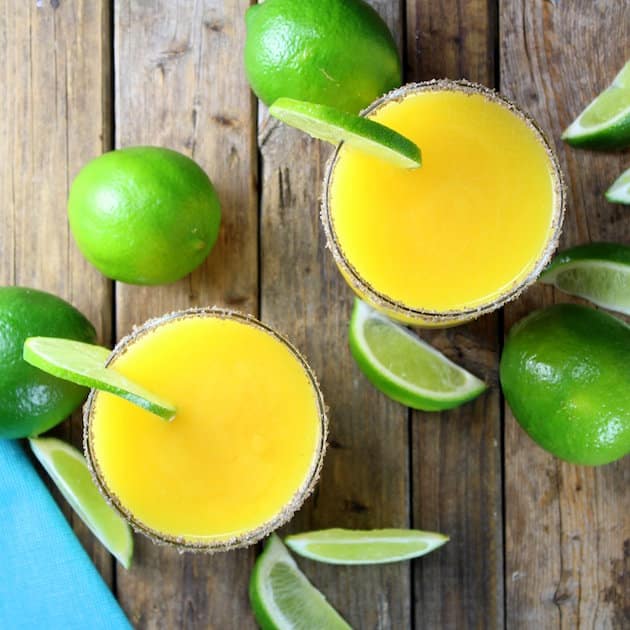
404	367
599	272
68	470
619	192
334	126
84	364
283	599
605	123
376	546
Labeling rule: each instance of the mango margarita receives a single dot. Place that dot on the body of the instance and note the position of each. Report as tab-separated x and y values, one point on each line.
463	233
244	448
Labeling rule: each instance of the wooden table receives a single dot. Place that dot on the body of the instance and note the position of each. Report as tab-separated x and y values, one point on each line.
535	543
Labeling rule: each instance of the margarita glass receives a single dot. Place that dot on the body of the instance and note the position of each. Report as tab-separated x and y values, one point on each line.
459	236
245	447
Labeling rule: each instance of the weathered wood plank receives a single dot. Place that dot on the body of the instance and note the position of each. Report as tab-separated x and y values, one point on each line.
456	455
365	478
55	116
567	527
180	84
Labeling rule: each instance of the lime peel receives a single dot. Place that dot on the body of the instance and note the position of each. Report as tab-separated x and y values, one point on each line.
282	598
84	364
335	126
431	381
378	546
68	469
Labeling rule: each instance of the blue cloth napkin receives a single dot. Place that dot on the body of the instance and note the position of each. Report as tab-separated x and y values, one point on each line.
47	581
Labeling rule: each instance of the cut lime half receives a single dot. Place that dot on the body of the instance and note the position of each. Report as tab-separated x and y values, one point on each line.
334	126
404	367
283	599
377	546
84	364
605	123
619	192
599	272
67	468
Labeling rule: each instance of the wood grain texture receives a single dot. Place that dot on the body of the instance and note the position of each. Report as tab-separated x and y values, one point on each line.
567	527
180	84
54	117
456	455
365	478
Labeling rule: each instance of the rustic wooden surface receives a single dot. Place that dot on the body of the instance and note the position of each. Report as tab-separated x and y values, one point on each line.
456	455
567	527
534	543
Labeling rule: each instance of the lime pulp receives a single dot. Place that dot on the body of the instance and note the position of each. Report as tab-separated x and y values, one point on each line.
84	364
605	123
282	597
619	192
599	272
345	546
334	126
67	468
404	367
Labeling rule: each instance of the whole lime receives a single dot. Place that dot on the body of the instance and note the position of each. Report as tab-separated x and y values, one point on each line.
565	372
32	401
144	215
333	52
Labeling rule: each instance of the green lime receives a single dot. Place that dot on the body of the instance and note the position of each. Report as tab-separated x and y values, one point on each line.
599	272
619	192
67	468
564	372
333	125
376	546
334	52
144	215
31	401
283	599
404	367
605	123
84	364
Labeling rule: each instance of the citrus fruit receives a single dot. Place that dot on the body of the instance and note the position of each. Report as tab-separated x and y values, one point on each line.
283	599
144	215
67	468
333	52
376	546
32	401
84	364
599	272
335	126
405	368
564	372
619	192
605	123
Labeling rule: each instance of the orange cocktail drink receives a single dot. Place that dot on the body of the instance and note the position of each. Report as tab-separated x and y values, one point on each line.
462	234
244	448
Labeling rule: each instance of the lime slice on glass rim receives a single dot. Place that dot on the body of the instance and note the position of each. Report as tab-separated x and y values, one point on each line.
605	123
67	468
405	368
282	598
84	364
334	126
619	192
599	272
377	546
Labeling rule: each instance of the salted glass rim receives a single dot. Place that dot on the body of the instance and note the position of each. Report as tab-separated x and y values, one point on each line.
210	544
450	316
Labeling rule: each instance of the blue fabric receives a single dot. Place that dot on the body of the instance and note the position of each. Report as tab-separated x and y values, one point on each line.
47	581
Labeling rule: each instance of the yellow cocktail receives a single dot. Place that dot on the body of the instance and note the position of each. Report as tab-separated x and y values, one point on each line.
244	449
464	233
